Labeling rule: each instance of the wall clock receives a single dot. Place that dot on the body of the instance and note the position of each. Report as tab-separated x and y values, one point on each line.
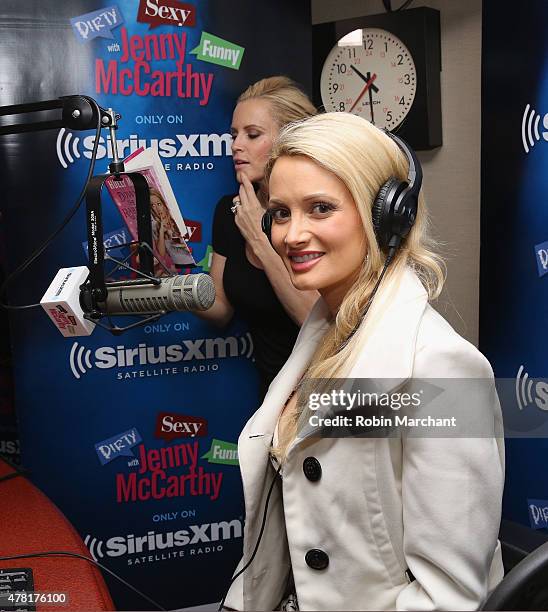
385	68
372	75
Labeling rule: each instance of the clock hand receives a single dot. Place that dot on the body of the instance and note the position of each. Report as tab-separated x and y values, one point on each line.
363	78
371	103
367	86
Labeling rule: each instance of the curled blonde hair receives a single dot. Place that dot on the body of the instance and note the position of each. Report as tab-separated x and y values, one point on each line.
363	158
287	101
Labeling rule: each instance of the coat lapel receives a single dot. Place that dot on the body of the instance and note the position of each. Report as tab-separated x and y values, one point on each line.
256	437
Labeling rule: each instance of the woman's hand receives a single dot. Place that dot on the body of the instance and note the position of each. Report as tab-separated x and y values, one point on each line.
249	213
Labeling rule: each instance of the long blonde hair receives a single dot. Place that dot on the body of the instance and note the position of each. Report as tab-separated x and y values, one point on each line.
363	158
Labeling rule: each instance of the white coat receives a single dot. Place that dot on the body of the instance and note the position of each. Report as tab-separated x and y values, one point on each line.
436	500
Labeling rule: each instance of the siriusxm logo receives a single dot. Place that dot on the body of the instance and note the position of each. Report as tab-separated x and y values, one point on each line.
529	392
70	147
530	134
82	359
207	533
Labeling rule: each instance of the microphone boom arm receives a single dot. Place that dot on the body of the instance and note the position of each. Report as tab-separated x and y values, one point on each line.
78	113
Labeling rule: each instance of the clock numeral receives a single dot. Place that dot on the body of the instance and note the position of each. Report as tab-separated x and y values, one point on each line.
399	57
402	101
385	47
368	43
342	106
341	68
334	87
389	116
351	52
369	53
406	79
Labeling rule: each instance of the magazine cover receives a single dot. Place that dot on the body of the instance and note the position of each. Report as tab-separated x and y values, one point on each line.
168	227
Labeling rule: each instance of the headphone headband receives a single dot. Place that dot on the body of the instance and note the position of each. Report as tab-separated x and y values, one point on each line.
395	207
414	175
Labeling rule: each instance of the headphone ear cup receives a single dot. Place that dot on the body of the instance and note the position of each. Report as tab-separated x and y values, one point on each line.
380	213
266	225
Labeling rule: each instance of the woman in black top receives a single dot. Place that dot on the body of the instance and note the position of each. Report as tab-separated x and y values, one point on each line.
250	278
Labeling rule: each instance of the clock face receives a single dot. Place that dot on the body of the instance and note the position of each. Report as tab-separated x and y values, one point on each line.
370	73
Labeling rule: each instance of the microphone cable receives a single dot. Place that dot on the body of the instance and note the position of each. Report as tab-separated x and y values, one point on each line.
22	267
387	262
258	539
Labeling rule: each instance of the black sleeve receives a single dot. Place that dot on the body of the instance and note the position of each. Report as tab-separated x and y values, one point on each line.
222	225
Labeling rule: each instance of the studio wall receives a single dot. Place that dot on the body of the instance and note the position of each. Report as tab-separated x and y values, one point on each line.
134	437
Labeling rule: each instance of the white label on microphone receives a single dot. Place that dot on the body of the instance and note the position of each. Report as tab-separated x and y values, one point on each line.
62	302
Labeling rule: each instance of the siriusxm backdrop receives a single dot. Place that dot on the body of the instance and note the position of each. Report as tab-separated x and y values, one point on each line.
133	437
514	237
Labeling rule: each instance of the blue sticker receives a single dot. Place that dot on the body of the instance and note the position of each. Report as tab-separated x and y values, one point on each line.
541	253
538	513
97	23
118	446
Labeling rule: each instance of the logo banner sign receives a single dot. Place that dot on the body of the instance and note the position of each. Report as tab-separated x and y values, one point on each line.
134	437
514	243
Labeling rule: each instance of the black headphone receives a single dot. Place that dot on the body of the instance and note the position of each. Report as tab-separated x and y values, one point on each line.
395	207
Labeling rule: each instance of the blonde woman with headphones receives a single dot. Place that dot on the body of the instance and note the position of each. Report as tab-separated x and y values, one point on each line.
364	523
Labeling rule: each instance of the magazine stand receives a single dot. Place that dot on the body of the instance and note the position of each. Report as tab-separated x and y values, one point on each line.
94	290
